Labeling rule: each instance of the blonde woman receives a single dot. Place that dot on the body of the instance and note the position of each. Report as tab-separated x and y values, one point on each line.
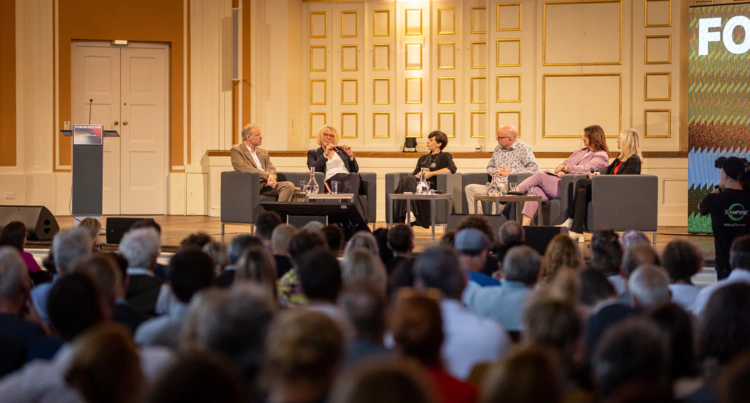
627	163
337	163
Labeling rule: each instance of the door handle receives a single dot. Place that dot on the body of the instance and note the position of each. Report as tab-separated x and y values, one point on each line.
116	123
124	122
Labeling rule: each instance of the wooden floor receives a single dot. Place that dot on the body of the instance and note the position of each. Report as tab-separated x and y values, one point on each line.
176	228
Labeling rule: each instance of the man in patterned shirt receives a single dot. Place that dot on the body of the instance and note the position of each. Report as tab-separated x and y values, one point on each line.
510	157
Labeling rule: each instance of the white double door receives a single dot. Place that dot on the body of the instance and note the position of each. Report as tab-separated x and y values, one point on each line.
126	89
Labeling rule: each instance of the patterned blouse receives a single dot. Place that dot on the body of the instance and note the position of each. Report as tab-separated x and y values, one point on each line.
290	290
519	158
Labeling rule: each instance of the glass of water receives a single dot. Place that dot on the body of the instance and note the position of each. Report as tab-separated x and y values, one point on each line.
513	186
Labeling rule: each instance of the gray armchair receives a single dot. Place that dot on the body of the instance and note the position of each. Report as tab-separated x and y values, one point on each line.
240	195
447	183
370	198
624	202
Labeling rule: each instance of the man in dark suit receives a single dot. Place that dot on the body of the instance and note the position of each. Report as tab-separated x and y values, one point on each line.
14	295
141	248
249	157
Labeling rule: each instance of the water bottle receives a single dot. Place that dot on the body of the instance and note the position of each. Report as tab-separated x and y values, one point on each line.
312	184
423	187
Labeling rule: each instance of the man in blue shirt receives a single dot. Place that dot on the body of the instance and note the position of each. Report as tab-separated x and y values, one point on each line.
473	247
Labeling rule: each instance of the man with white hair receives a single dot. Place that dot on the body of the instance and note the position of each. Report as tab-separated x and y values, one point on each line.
68	246
249	157
649	286
14	294
140	248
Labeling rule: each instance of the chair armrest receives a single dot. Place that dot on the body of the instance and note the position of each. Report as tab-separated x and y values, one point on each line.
452	183
391	184
519	177
370	186
240	190
625	202
567	190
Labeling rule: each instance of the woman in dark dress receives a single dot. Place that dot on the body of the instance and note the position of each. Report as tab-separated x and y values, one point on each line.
438	162
337	164
627	163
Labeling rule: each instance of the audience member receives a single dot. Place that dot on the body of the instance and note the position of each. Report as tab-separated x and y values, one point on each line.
649	286
218	253
561	252
510	234
313	226
236	328
161	270
280	240
196	378
14	234
401	243
606	311
234	252
632	237
140	248
320	277
68	246
739	262
19	322
469	339
479	222
636	255
304	350
264	226
361	264
190	270
724	330
633	350
108	278
363	239
289	285
734	384
196	240
606	255
203	304
381	236
93	226
418	333
682	260
334	237
106	367
448	239
402	277
473	249
530	375
256	266
505	304
363	304
595	289
392	381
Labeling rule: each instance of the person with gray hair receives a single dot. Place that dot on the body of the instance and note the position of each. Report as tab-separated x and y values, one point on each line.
361	264
140	247
649	286
68	246
505	304
249	157
633	257
363	239
469	339
14	295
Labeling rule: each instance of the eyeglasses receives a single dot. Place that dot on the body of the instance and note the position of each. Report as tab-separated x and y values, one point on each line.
329	135
503	137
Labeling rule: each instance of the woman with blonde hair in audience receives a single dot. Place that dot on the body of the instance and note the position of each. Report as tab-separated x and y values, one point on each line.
203	304
561	252
417	326
529	376
363	239
93	226
106	366
378	381
257	266
361	264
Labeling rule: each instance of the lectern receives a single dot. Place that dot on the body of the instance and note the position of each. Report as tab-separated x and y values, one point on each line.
88	147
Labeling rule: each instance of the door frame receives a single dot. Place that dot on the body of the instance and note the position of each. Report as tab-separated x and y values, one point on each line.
167	98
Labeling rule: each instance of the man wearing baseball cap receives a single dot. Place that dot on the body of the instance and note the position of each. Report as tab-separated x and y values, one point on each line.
729	206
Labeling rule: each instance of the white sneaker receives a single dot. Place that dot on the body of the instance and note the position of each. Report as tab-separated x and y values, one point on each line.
576	237
412	218
568	223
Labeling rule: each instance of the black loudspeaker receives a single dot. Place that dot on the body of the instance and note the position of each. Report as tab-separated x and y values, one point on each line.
495	220
538	237
345	215
41	225
118	226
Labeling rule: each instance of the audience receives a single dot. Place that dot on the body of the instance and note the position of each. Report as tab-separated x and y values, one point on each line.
217	251
334	237
190	270
289	285
264	226
510	234
93	226
363	239
682	260
235	250
280	240
505	304
140	247
161	270
739	262
19	323
256	266
638	254
364	306
401	243
381	236
392	381
649	286
724	330
473	249
68	246
313	226
196	378
606	255
632	237
480	223
530	375
361	264
196	240
418	332
595	289
320	277
448	239
469	339
14	234
562	252
606	309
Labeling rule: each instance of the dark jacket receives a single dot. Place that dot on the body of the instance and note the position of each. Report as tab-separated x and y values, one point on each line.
316	158
630	167
142	293
125	315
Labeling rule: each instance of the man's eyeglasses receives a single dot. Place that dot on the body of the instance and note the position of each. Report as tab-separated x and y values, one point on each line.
503	137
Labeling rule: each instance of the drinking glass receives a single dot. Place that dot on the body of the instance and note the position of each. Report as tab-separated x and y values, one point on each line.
513	186
302	184
335	187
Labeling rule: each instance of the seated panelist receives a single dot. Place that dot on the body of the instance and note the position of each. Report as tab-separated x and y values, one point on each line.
628	162
594	154
337	163
249	157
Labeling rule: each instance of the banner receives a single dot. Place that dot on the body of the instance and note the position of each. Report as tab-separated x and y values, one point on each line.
88	135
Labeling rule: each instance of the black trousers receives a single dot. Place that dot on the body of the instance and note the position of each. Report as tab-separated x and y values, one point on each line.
581	199
350	183
421	209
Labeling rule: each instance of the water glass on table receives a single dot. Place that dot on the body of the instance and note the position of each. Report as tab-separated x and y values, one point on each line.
513	186
335	187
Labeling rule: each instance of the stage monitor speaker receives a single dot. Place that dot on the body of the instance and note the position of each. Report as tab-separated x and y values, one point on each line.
538	237
118	226
345	215
495	221
41	225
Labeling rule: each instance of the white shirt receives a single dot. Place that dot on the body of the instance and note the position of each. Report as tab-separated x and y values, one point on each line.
684	295
618	282
255	158
136	271
469	339
735	276
335	166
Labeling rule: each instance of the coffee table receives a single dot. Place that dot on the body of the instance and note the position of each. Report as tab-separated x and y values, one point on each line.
432	198
329	196
511	199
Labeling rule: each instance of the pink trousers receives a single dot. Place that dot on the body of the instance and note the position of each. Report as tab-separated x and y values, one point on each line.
542	184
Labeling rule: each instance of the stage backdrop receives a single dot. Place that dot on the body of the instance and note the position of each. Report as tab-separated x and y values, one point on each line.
719	97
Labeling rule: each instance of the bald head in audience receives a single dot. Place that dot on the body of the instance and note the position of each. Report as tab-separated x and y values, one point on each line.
649	286
281	237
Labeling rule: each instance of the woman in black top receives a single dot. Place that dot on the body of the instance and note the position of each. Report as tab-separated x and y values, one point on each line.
437	162
627	163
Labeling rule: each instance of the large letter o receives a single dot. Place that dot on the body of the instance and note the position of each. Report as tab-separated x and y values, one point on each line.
733	23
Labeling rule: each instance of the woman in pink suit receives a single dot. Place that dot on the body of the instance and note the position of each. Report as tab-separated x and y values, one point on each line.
594	154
